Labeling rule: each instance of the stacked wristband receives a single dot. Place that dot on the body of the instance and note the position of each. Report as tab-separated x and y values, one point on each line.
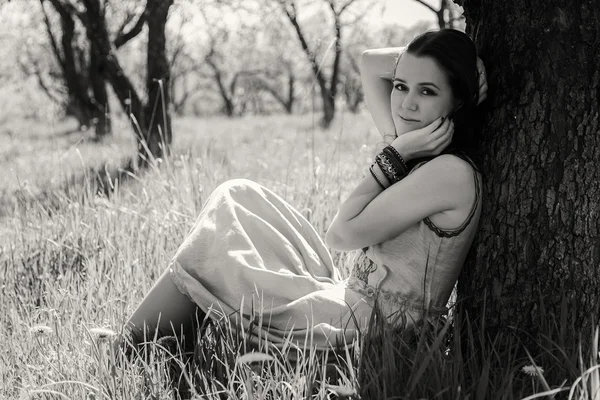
392	164
377	179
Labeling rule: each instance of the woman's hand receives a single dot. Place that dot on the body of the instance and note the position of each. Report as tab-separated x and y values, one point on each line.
428	141
483	87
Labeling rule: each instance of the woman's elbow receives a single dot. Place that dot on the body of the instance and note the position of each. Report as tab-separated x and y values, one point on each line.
365	59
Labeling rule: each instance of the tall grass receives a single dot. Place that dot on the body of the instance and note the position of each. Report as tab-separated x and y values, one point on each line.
81	263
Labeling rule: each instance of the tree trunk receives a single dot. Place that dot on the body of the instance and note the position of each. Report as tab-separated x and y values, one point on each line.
328	109
158	77
87	97
101	110
151	122
289	103
539	233
95	25
328	90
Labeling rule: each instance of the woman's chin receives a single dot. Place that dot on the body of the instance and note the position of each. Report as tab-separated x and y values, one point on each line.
404	128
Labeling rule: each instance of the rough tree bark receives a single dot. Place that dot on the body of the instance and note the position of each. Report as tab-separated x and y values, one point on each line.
540	229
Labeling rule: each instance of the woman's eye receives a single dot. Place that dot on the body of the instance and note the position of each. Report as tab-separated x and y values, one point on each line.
400	86
428	92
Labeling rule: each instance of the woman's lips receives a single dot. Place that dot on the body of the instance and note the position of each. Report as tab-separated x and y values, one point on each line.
407	119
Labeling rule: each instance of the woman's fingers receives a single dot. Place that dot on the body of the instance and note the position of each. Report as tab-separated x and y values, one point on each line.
441	141
442	128
432	127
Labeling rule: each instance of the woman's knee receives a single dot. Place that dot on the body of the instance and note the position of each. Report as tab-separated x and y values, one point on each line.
237	185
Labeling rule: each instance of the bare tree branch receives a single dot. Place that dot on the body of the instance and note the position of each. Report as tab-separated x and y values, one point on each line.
38	74
360	16
187	94
338	49
291	14
344	7
240	74
53	41
124	37
423	3
262	82
126	21
195	68
439	13
225	95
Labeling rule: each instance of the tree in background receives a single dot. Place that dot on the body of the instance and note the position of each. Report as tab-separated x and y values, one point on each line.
328	86
151	120
230	54
535	262
251	66
81	91
282	67
187	76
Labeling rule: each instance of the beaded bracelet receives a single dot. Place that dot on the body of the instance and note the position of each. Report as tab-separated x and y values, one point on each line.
400	166
390	170
399	158
375	177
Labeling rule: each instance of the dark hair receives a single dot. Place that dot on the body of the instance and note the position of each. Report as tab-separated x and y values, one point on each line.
455	53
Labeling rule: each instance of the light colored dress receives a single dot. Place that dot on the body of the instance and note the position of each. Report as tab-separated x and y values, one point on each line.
254	258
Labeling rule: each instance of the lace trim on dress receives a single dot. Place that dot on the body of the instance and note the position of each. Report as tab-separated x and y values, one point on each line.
393	299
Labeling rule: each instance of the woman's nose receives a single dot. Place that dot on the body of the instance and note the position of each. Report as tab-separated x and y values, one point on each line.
409	102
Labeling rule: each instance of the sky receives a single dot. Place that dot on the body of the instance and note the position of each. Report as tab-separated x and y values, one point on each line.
408	12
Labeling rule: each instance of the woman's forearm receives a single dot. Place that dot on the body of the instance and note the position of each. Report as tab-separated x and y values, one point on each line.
377	72
359	198
381	62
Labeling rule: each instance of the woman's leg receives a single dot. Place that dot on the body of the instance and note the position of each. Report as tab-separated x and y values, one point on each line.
165	311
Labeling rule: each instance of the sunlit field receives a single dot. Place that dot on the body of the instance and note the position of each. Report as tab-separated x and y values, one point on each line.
75	263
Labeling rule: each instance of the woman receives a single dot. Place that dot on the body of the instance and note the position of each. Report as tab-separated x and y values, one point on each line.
253	258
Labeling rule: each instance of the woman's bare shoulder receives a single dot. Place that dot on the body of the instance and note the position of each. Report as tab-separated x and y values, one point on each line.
451	165
457	174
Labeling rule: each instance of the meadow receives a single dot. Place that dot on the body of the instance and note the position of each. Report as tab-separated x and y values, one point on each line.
75	263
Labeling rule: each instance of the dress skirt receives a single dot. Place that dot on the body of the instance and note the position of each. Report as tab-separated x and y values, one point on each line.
250	257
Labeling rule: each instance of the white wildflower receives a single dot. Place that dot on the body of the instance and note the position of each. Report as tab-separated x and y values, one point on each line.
342	391
41	330
533	370
102	333
102	202
254	357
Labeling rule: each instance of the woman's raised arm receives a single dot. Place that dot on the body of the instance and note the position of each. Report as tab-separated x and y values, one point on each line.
377	72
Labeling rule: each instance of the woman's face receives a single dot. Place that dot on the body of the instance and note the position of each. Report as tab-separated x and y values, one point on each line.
421	93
